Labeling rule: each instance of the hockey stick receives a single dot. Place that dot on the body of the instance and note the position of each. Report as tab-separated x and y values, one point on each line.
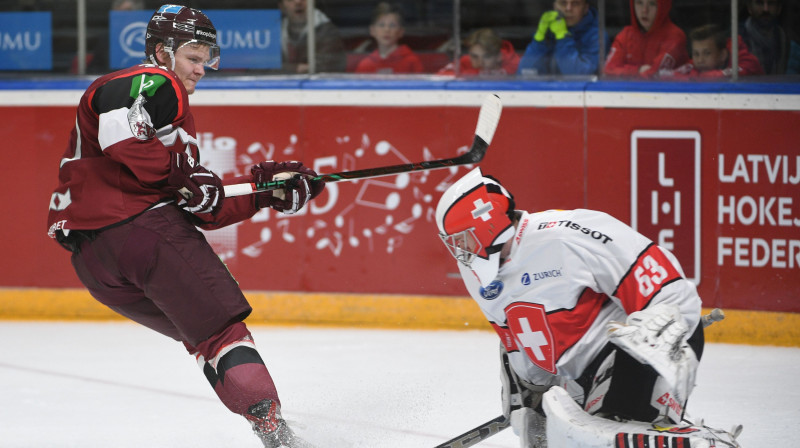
715	315
488	117
497	424
477	434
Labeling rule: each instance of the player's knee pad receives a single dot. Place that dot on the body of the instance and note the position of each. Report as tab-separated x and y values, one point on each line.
670	400
234	368
599	387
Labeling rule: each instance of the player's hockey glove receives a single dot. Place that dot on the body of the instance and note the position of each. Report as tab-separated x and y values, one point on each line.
300	186
198	190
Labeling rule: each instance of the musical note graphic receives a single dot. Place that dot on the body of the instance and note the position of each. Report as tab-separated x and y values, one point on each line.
383	147
283	225
352	239
254	250
326	242
288	150
375	213
405	226
312	229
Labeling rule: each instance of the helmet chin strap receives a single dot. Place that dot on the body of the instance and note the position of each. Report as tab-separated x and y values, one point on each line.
171	57
171	54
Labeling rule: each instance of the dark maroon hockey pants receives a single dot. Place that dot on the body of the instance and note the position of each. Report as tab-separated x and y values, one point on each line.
159	270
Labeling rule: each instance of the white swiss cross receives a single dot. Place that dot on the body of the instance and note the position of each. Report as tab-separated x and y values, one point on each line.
482	210
533	340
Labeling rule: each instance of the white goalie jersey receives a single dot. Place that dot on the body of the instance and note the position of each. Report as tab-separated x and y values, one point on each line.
568	273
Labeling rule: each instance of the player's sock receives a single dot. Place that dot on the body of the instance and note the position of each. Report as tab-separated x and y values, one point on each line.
234	369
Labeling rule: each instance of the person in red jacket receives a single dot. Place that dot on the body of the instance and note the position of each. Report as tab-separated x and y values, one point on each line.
650	44
487	54
390	56
711	50
131	193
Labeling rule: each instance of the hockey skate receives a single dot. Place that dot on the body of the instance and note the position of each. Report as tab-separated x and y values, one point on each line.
568	426
271	428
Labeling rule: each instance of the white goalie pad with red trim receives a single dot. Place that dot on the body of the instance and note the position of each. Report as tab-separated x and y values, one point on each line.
568	426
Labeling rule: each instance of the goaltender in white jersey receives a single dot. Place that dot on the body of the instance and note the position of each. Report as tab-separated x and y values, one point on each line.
585	307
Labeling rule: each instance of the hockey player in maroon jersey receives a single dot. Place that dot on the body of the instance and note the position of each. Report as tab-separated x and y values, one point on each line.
132	189
586	308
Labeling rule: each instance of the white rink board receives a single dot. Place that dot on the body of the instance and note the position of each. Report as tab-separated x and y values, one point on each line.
442	97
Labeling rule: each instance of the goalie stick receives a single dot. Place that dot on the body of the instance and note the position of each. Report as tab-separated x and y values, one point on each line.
488	117
715	315
499	423
477	434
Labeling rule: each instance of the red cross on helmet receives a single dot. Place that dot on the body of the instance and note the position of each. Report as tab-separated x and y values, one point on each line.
176	26
474	220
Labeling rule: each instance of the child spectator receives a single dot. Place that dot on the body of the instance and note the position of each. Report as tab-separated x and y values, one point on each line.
390	56
651	42
487	54
566	41
711	50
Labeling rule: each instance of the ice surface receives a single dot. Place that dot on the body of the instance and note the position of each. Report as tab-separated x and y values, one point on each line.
120	385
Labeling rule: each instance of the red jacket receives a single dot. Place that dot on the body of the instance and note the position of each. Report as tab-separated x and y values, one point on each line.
748	65
509	63
401	60
663	47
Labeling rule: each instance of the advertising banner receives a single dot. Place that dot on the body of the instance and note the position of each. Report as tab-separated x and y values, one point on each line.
26	41
248	39
665	193
725	202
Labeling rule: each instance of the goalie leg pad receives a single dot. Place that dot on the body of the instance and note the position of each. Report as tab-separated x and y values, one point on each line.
530	426
568	426
234	369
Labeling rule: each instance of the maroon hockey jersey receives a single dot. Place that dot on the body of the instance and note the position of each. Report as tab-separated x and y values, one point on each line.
117	160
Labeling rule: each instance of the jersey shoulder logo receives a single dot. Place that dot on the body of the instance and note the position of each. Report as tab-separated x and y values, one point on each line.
146	84
492	291
139	120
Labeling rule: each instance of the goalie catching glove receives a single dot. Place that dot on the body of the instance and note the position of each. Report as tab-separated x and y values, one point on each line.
300	185
656	336
199	190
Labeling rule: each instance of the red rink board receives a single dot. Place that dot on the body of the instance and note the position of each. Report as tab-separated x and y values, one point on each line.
378	235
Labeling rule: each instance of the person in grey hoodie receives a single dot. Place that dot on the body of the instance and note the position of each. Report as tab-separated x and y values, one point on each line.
329	47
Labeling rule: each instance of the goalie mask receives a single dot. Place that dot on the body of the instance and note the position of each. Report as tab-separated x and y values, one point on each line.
176	26
474	220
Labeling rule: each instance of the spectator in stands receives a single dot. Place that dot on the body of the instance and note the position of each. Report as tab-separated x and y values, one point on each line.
566	41
487	54
390	56
764	35
793	65
651	42
329	47
711	50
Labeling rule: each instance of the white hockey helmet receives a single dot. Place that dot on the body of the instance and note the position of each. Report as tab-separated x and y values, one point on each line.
474	217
